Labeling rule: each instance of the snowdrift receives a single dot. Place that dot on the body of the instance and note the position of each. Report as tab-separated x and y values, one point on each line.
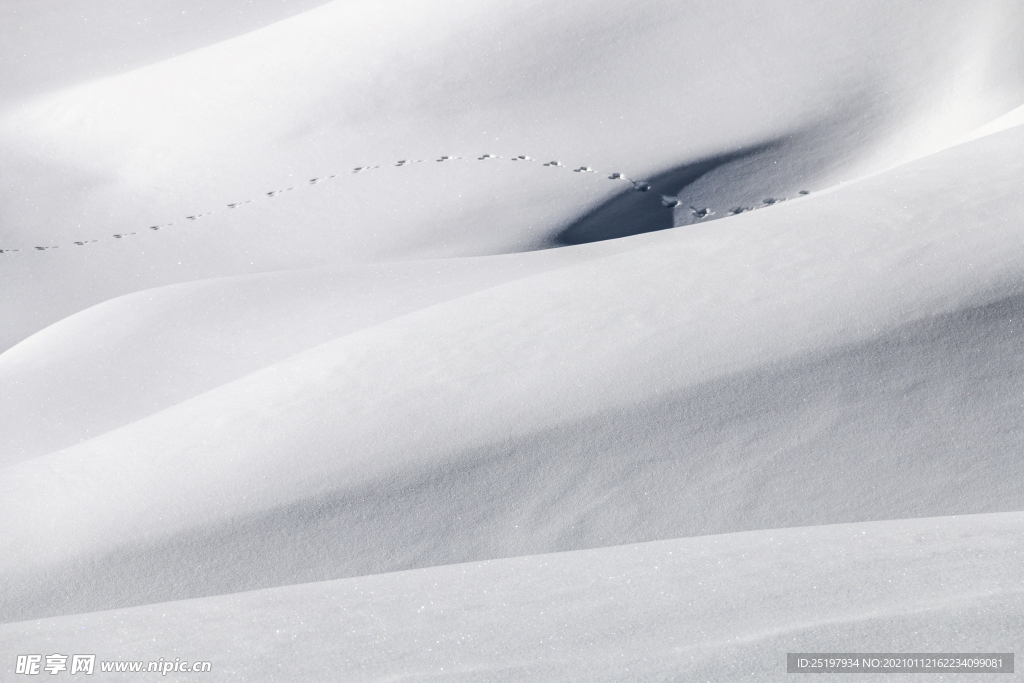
552	341
711	608
805	364
637	89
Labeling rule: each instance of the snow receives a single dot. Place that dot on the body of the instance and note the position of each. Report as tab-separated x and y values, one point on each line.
717	608
316	312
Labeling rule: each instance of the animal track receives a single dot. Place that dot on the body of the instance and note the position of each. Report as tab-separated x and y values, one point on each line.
640	186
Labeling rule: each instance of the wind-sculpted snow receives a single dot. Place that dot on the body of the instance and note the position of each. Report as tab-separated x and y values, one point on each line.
713	608
188	338
58	43
637	219
480	340
347	85
590	405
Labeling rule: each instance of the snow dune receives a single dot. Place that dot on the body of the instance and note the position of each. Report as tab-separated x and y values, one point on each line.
153	349
605	85
473	298
50	44
717	608
740	375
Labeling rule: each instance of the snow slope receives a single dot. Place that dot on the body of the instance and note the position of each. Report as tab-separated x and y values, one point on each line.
716	608
354	84
53	43
786	367
314	302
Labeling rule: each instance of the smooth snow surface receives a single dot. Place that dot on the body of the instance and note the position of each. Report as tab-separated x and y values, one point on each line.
714	608
313	313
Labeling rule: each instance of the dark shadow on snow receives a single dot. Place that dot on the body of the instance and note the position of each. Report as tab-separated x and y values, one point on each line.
635	212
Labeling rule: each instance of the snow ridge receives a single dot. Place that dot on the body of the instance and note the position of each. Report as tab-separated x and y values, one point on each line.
638	185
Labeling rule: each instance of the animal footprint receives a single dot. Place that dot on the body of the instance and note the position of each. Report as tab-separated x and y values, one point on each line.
700	213
639	186
804	192
770	201
669	201
740	209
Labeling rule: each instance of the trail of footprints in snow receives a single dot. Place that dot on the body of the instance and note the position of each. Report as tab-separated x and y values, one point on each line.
638	185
